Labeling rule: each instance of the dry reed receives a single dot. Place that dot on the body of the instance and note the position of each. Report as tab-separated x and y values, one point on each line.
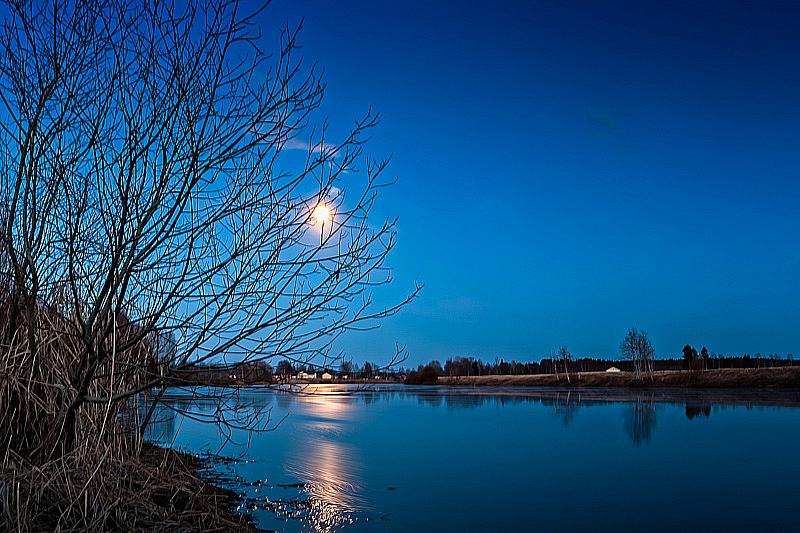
110	480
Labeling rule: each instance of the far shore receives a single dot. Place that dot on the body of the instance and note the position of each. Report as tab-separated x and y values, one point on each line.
338	381
730	378
778	377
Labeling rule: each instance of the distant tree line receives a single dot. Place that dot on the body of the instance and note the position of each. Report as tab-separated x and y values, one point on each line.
558	362
346	370
468	366
705	360
210	374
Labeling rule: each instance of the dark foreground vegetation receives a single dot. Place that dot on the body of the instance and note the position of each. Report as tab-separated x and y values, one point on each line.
146	489
105	476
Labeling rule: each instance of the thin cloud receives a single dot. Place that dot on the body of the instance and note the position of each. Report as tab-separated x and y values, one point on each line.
334	193
459	307
322	148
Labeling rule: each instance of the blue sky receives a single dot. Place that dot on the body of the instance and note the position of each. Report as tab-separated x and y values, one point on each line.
568	170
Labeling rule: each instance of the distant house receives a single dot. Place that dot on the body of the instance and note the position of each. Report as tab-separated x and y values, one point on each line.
304	375
326	375
613	369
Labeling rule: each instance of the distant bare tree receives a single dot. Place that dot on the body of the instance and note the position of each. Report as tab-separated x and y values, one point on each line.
564	356
638	349
146	195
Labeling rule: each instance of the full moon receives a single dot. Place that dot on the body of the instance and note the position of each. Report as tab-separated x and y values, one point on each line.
321	214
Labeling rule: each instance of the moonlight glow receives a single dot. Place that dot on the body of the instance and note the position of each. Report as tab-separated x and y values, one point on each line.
321	215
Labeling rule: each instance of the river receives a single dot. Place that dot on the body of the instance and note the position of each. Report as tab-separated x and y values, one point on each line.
395	458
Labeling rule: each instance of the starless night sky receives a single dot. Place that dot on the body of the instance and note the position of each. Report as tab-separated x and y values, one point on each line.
570	169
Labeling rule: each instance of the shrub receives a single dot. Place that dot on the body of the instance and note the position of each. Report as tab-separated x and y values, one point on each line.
427	375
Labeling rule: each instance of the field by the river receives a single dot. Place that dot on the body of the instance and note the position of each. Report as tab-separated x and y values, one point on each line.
786	377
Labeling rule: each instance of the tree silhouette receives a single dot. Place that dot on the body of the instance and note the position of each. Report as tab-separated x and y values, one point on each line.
687	357
637	348
147	195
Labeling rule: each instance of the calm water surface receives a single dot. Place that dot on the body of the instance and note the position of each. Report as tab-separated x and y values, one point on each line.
399	458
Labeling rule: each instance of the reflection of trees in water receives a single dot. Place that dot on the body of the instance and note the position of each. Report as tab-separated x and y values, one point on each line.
693	411
206	399
434	400
565	406
228	408
640	419
370	397
464	401
515	400
163	424
284	400
640	413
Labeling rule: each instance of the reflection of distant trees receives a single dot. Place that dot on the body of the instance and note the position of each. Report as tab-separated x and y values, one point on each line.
464	401
162	426
370	397
284	400
640	419
206	398
693	411
565	407
434	400
226	406
639	413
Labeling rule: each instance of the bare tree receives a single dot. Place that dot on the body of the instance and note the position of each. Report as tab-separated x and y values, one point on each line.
638	349
147	197
564	356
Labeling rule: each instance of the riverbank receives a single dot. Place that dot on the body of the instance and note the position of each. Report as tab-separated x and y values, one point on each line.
155	490
779	377
189	499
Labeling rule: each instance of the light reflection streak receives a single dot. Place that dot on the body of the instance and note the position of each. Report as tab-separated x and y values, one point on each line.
330	468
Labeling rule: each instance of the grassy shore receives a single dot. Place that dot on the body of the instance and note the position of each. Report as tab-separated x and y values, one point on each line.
785	377
189	499
158	490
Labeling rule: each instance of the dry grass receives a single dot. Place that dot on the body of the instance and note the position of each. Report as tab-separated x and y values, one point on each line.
110	480
723	378
154	491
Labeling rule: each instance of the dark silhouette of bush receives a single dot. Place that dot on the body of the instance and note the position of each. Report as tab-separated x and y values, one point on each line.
687	357
693	411
427	375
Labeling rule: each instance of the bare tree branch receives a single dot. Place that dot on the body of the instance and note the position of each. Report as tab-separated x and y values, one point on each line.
152	195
